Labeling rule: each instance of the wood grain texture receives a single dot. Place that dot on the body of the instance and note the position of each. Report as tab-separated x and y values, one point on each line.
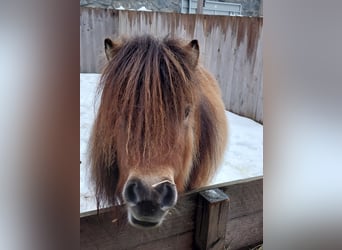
231	48
243	223
212	209
100	232
95	26
245	218
244	231
182	241
245	198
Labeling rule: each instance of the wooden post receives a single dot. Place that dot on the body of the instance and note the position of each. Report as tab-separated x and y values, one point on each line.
211	219
199	7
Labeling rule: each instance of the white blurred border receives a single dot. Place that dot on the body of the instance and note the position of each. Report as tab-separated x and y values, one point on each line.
303	125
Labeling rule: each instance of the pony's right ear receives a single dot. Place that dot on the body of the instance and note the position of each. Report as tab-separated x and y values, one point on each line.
193	47
110	47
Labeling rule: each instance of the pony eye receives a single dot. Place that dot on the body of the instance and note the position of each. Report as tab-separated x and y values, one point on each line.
187	111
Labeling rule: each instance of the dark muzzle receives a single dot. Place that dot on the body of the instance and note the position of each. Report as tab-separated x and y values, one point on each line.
148	204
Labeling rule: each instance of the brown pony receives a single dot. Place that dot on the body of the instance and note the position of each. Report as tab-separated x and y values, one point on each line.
160	128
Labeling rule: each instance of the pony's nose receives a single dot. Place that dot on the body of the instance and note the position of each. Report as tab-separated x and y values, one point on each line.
134	191
167	194
163	194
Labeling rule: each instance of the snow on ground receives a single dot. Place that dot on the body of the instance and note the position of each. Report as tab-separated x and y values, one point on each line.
243	157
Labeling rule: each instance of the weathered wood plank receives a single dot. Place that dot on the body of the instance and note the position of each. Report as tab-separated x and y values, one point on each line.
95	26
245	218
109	229
180	242
245	198
100	232
244	231
212	210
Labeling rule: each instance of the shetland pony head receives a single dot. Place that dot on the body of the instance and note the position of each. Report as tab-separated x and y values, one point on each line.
142	142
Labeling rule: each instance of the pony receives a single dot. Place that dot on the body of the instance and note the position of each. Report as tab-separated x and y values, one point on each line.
160	129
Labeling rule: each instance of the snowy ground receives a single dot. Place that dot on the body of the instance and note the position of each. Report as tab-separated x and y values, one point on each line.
243	157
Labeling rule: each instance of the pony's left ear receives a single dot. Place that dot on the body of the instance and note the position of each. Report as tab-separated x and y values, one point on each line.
193	47
110	48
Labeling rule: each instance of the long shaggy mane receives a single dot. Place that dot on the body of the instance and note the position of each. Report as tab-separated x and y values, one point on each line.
145	88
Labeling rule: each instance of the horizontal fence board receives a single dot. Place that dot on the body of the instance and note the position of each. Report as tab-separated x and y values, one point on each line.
182	241
231	47
109	229
245	217
245	198
123	236
244	231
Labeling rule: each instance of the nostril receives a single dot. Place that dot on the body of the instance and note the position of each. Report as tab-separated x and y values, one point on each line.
168	194
131	192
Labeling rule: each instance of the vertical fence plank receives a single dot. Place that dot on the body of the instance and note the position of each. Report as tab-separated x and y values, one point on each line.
213	206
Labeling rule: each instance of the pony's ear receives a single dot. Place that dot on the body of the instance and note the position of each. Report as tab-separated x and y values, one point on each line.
110	48
193	48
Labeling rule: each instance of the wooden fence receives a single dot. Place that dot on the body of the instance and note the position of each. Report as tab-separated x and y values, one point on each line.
228	216
231	48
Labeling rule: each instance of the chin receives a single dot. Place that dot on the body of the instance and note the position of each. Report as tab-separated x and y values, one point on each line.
144	223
